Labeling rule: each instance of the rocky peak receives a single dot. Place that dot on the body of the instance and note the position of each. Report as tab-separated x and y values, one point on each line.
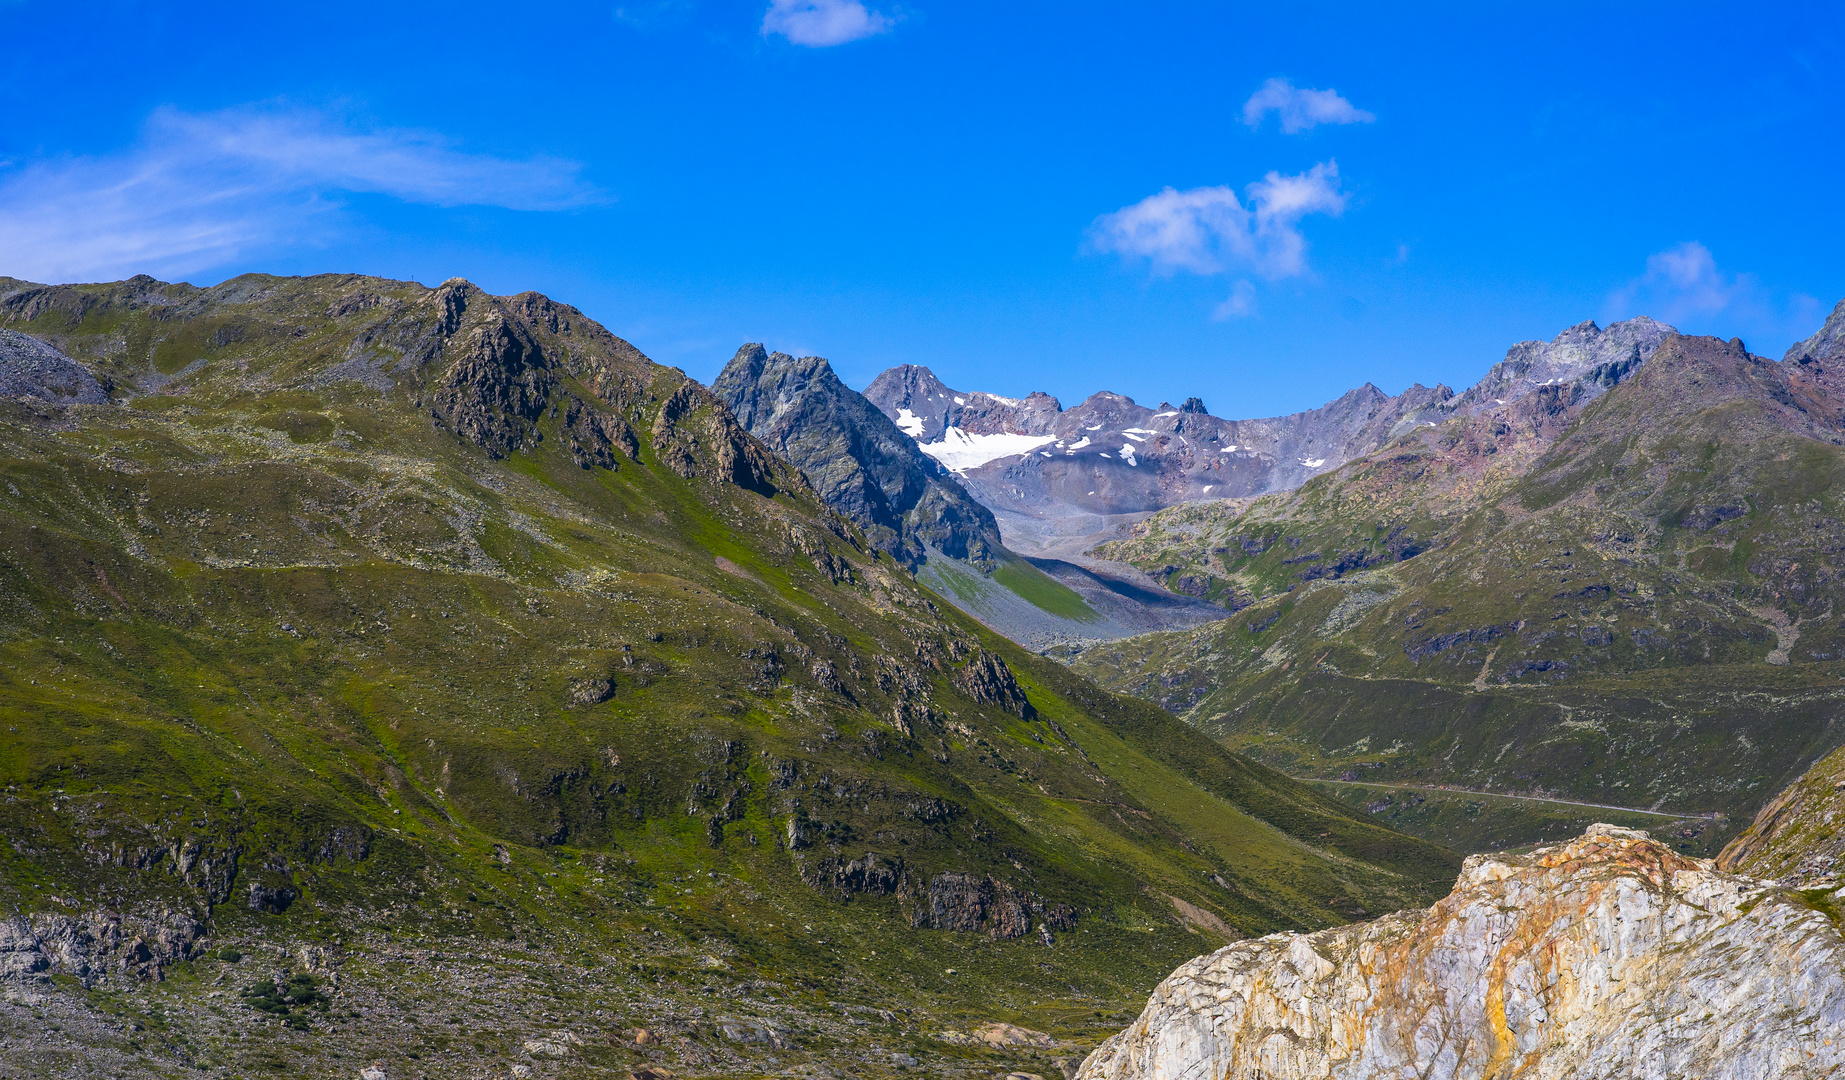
1581	960
1586	357
926	408
858	460
1826	344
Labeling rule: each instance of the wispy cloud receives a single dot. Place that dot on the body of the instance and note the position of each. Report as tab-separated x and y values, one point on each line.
199	190
1685	287
819	23
1240	304
1301	109
1208	230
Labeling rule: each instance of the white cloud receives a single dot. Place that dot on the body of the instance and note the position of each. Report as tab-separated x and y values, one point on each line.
202	189
1239	305
1301	109
1685	279
818	23
1208	230
1685	287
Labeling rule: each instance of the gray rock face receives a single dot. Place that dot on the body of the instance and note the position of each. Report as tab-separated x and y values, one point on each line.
32	369
856	457
1827	343
925	408
1585	358
1110	456
96	945
1610	956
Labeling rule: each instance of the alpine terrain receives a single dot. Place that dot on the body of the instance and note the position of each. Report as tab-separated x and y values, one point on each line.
910	504
415	682
1622	595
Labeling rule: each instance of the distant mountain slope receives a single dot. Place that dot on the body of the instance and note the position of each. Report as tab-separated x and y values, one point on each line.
443	651
1061	480
1798	837
911	505
1631	601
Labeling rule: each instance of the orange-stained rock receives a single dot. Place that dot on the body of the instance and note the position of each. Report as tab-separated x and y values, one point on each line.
1609	956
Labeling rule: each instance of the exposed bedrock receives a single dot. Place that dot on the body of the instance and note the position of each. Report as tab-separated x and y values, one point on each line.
1607	956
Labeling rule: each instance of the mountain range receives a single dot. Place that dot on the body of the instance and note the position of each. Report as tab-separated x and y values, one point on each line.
426	682
1429	535
408	681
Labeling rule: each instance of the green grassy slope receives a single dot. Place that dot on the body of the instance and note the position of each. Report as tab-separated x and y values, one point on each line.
383	617
1641	610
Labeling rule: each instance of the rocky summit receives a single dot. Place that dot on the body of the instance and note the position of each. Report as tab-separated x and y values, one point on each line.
856	458
1610	956
1061	480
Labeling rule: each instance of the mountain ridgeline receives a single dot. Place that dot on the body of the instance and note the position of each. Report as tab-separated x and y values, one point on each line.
1059	479
1629	597
433	678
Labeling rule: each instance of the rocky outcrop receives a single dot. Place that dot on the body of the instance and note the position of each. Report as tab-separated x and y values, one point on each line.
695	435
30	368
498	381
988	680
856	458
96	945
1827	343
1608	956
1798	839
982	903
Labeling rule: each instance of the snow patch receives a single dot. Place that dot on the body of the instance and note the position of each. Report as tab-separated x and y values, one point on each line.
958	401
1158	415
911	424
1231	449
1313	463
1136	438
1080	444
1012	401
960	450
1127	453
1138	431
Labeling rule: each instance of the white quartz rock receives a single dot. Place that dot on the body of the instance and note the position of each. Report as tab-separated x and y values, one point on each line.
1610	956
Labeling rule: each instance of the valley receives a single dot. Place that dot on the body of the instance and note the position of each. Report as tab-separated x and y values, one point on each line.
442	654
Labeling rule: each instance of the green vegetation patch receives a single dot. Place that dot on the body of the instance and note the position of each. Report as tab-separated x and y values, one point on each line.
1044	592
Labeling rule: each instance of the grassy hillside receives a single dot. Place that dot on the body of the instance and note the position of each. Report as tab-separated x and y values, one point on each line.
1641	608
443	649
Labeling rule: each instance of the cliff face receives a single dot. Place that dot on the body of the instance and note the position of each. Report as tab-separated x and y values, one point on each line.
858	460
1608	956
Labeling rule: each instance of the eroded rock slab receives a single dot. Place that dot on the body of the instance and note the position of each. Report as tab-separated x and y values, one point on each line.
1608	956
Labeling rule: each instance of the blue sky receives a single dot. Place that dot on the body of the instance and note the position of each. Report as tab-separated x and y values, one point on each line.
1357	192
